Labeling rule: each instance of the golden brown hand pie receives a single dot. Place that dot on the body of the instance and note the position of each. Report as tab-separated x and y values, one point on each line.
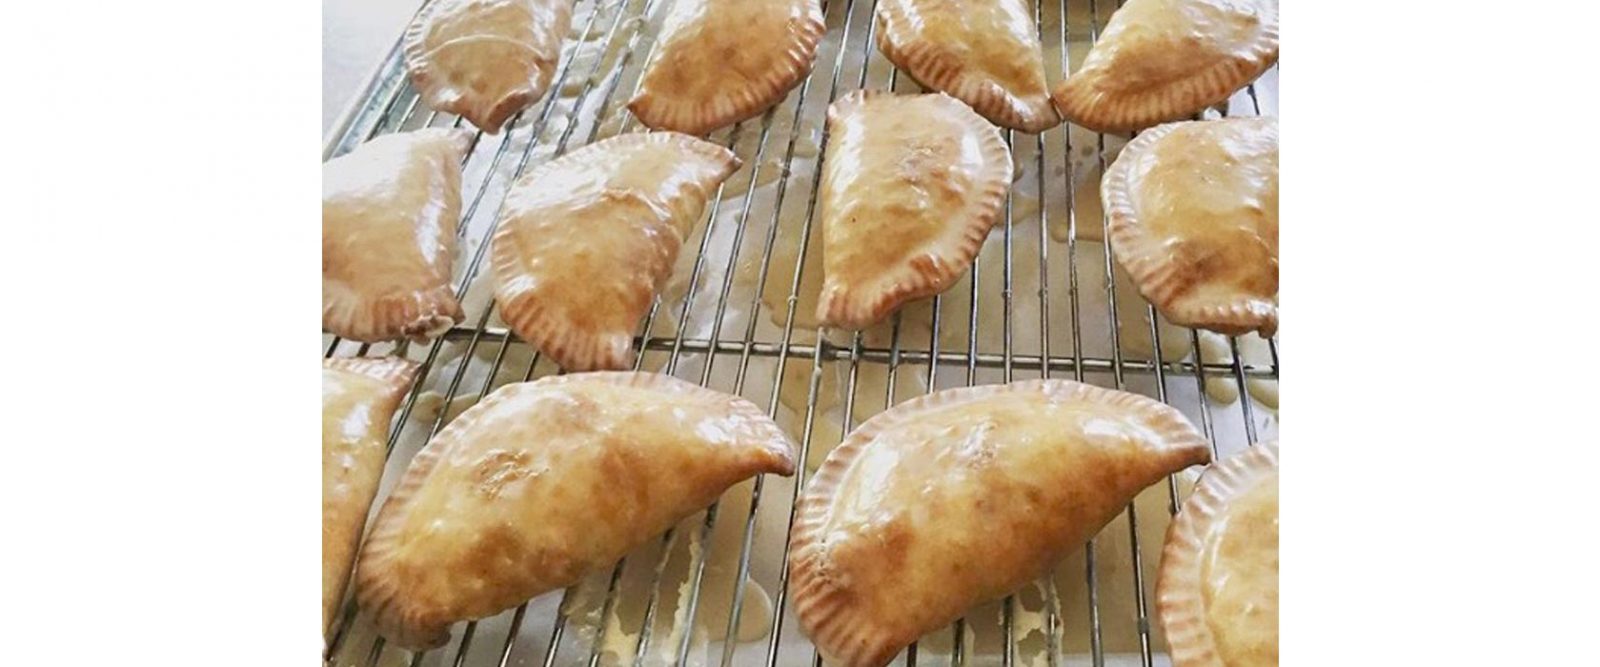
722	61
544	481
585	241
358	399
1217	594
1193	214
986	54
486	59
911	185
1162	60
961	497
389	215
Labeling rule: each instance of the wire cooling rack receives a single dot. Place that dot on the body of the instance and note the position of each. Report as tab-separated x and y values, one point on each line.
1043	299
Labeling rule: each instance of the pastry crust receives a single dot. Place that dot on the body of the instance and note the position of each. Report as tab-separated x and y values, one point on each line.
1165	60
986	54
896	533
359	397
1217	592
1193	214
485	59
585	241
911	186
723	61
389	215
542	482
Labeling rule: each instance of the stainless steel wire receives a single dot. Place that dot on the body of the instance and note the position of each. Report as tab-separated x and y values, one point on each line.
392	106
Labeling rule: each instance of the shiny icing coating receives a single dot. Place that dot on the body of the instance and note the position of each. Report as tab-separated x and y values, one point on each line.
1239	568
986	54
722	61
900	531
359	397
1164	60
389	214
585	241
911	186
1194	219
486	59
1217	590
544	481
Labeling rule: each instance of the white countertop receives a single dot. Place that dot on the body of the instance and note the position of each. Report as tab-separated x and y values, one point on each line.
356	35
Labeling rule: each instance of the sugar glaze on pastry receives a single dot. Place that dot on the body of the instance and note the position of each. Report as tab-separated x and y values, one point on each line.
1193	213
486	59
544	481
1217	592
963	496
389	214
359	397
722	61
911	186
986	54
1165	60
585	241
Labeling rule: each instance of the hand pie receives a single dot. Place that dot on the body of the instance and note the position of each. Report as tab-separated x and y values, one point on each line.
486	59
722	61
585	241
986	54
911	186
963	496
544	481
1217	594
1163	60
389	214
358	399
1193	214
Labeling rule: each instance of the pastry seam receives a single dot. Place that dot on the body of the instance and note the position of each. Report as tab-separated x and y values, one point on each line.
843	306
1180	606
1156	280
821	603
663	110
582	350
936	69
418	627
1080	101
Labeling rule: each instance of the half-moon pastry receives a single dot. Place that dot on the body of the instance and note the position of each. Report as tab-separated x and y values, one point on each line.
911	186
486	59
359	397
963	496
1193	215
1163	60
986	54
389	214
1217	593
544	481
722	61
585	241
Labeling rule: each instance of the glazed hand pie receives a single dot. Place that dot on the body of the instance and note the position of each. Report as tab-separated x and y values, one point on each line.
1193	214
986	54
544	481
722	61
1217	594
359	397
1162	60
485	59
911	185
963	496
585	241
389	214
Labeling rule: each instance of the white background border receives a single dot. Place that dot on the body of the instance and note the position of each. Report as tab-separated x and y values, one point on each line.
160	252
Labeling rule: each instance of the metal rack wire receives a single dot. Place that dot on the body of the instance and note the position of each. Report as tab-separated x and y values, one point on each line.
686	333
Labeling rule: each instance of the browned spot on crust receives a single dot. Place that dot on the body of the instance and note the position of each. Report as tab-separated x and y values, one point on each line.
499	467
